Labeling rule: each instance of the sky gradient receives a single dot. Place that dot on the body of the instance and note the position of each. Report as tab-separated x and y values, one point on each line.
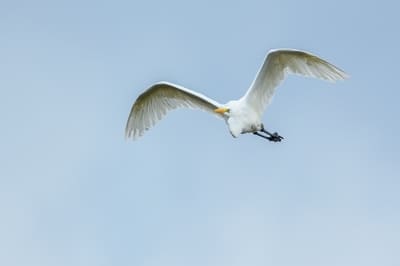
73	191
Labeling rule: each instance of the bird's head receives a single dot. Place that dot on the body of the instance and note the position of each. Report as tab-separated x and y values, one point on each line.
231	108
222	110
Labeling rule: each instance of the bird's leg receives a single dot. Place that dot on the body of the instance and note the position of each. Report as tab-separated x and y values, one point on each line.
271	136
261	135
274	138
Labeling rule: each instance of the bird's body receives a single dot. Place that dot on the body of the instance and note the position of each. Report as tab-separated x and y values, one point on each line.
243	118
243	115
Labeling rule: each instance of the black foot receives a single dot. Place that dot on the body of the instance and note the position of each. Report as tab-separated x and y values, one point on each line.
275	137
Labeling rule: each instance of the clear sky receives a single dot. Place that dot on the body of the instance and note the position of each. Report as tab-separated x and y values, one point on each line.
74	192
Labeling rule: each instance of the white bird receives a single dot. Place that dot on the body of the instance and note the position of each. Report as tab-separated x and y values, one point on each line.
241	116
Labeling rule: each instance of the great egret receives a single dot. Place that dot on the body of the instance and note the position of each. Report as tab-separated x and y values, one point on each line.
241	116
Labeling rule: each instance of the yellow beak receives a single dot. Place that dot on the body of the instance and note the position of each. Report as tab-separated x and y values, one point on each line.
221	110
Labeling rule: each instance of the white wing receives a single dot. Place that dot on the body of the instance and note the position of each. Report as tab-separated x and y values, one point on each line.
282	61
160	98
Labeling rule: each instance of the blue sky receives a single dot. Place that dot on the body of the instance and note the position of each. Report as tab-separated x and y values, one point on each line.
74	192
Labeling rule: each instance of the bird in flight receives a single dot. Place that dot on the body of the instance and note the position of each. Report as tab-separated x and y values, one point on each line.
243	115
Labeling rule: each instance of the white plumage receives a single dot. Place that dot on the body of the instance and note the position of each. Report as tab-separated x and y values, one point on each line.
243	115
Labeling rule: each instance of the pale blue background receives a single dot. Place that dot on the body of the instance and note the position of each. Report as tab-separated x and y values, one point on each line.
74	192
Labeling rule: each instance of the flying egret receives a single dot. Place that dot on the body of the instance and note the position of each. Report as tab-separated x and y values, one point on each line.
241	116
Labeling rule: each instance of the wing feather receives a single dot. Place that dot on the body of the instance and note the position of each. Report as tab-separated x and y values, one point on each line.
153	104
280	62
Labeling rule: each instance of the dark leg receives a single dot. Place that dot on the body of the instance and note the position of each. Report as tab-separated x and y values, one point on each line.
266	132
272	137
261	135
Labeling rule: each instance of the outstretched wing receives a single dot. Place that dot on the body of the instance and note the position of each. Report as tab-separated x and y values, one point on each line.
160	98
282	61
